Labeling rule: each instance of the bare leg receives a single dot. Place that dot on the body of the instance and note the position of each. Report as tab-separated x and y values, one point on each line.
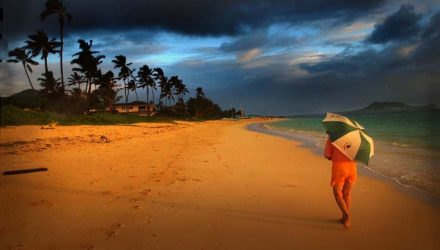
337	192
346	193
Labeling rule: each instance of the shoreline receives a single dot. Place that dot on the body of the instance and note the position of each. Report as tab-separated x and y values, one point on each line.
310	142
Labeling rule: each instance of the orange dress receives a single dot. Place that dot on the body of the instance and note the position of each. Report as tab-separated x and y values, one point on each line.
343	169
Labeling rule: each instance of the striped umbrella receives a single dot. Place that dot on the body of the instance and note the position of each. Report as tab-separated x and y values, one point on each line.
349	137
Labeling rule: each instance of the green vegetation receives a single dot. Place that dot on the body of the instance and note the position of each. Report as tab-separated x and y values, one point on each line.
11	115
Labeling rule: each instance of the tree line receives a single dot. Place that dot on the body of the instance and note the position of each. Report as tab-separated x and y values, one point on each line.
90	87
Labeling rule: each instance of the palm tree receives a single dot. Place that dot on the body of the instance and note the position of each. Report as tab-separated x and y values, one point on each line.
40	43
180	88
75	79
51	86
146	80
106	90
56	7
159	76
24	56
125	72
166	89
200	93
87	61
131	85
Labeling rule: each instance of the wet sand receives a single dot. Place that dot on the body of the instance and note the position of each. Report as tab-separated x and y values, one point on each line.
211	185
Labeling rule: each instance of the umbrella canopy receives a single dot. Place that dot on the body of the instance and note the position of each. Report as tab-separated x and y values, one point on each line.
349	137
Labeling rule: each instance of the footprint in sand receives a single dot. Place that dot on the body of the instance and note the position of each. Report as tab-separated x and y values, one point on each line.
149	218
108	192
88	247
104	139
94	181
134	200
15	247
213	226
42	203
128	188
112	233
183	179
146	191
290	186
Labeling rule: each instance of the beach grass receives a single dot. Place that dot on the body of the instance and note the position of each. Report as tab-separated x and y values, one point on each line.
14	116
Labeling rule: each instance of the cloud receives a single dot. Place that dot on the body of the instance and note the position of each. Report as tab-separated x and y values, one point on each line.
272	37
248	56
433	27
190	17
403	71
401	25
13	79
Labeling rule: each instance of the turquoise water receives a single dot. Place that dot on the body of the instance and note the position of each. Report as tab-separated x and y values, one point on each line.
407	145
418	129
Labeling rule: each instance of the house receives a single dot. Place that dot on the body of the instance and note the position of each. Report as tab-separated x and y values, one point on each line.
138	107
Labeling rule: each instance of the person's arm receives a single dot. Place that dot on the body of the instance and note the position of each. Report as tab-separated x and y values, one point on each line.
328	150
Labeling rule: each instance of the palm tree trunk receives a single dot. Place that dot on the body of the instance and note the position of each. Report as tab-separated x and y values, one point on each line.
148	88
152	94
87	85
90	87
25	70
126	97
45	65
135	91
61	56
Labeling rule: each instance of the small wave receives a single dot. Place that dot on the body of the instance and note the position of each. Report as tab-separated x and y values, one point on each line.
266	126
403	145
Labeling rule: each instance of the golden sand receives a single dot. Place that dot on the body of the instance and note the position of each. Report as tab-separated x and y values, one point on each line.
210	185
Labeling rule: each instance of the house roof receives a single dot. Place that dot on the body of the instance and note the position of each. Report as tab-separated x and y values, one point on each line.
132	103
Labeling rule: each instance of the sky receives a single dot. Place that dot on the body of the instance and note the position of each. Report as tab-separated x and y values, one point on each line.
272	57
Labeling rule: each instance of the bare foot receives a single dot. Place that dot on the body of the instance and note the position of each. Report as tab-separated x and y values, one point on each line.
346	222
342	219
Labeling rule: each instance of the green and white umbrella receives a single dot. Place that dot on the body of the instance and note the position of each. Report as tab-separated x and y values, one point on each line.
349	137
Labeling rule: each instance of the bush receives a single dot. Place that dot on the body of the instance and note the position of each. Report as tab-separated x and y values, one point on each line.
11	115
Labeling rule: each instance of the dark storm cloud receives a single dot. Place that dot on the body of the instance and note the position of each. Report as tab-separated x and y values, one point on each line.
192	17
433	27
421	51
201	17
428	51
401	25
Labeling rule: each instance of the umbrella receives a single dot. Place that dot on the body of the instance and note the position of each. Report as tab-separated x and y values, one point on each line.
349	137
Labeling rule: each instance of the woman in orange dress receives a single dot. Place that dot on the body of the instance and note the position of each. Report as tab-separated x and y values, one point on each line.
343	176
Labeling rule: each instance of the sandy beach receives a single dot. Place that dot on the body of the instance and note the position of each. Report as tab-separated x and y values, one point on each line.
185	185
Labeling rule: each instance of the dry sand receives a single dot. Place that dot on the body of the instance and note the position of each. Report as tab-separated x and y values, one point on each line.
211	185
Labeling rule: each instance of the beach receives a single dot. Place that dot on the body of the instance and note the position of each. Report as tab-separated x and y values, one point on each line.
191	185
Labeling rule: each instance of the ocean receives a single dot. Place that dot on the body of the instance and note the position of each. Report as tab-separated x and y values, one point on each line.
407	144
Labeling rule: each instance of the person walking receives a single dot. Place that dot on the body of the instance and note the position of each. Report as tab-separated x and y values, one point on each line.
344	175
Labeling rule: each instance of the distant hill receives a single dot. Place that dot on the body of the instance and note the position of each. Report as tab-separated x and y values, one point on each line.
385	107
25	99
